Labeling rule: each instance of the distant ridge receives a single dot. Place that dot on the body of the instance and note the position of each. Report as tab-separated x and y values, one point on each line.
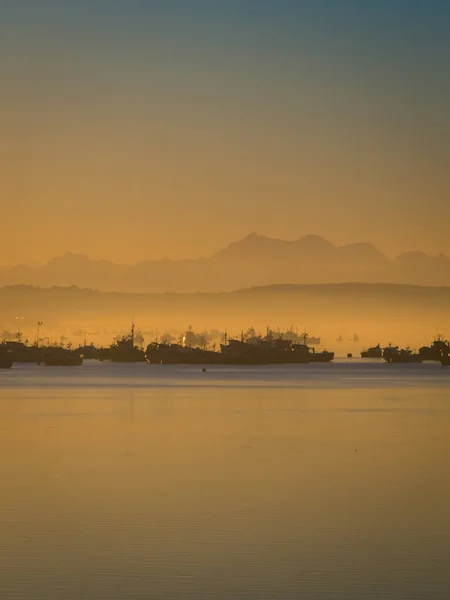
351	286
255	260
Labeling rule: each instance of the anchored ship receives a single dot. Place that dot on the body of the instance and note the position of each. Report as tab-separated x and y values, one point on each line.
439	348
125	350
255	350
60	357
374	352
394	354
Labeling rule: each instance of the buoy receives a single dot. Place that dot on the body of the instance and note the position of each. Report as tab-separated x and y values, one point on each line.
204	370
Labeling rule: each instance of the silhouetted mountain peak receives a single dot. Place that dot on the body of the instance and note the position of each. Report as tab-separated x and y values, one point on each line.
252	246
70	257
315	241
251	261
253	236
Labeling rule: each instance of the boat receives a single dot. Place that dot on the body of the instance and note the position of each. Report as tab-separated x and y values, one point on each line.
311	354
60	357
321	357
177	354
20	352
89	352
271	350
266	350
243	352
445	360
125	351
437	350
374	352
393	354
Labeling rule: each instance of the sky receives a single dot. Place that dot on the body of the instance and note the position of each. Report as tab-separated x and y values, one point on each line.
133	129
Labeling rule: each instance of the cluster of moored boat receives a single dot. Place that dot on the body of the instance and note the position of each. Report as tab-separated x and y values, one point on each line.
252	350
255	350
438	350
11	352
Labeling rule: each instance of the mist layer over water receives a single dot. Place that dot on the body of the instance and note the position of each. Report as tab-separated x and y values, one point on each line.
156	481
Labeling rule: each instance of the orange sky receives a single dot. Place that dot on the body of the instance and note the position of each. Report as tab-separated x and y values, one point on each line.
130	135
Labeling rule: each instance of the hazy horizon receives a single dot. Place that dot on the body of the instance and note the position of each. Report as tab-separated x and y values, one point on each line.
71	252
404	315
133	130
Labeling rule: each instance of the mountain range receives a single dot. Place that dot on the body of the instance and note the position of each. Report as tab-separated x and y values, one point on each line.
255	260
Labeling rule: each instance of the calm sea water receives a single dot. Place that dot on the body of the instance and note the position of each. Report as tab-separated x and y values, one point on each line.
143	481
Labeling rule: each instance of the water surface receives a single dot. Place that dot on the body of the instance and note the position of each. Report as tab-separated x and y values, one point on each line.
153	481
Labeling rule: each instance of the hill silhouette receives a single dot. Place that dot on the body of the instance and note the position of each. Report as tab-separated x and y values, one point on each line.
254	260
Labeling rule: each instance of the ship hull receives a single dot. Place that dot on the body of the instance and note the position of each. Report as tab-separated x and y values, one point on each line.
57	361
63	359
374	352
237	352
322	357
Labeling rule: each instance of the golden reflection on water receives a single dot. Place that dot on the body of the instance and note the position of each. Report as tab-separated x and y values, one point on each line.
171	492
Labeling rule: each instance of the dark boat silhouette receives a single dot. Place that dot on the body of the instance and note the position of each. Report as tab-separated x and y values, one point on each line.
89	352
263	351
445	360
374	352
60	357
394	354
313	356
125	351
176	354
436	351
321	357
255	350
23	353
